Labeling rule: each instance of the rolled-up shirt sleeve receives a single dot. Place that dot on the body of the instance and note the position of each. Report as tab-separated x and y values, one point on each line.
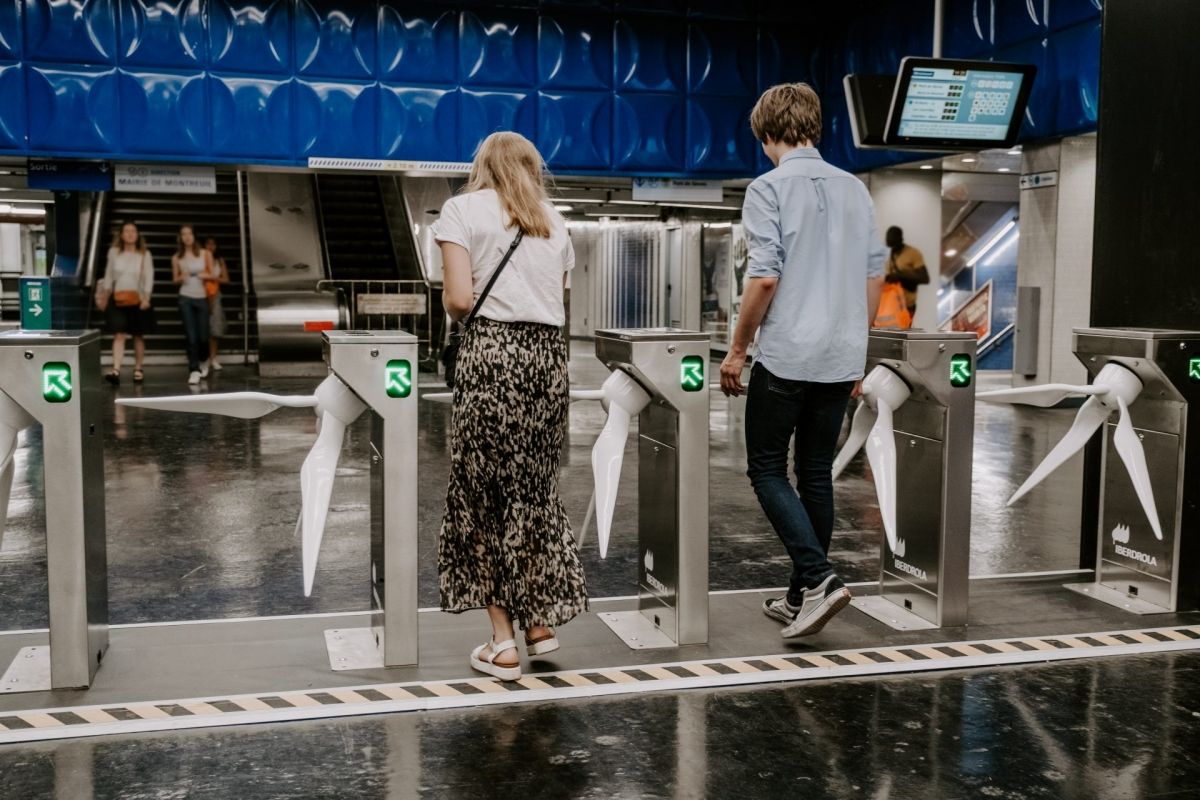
760	218
876	252
451	225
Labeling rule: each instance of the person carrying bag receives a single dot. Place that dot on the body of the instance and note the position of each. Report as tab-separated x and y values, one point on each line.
123	295
450	351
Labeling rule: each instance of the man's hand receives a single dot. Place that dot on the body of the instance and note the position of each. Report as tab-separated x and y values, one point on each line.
731	373
856	392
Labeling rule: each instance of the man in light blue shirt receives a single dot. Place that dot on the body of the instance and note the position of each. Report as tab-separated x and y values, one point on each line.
813	282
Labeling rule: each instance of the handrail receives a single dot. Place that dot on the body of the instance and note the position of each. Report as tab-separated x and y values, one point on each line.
996	340
93	241
243	244
322	234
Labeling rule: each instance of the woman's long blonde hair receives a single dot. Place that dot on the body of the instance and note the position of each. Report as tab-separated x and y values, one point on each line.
509	163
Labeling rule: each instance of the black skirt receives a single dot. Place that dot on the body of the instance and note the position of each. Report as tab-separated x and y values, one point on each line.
133	320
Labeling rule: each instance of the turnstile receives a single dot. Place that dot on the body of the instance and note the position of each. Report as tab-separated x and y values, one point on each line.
54	378
924	574
1136	569
671	366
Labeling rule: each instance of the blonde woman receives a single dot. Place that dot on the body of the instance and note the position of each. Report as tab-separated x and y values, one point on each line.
191	266
124	295
506	543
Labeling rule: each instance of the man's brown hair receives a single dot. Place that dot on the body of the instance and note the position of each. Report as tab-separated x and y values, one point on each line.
789	113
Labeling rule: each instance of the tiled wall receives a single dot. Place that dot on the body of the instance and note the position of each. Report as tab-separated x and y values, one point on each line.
658	87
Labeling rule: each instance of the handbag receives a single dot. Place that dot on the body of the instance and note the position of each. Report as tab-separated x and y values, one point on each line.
893	309
127	299
454	341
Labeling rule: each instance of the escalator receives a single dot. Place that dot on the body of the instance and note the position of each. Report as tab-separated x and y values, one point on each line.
356	235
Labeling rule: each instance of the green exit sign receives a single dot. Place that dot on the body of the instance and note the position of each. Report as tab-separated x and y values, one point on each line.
691	373
56	382
961	370
398	378
1194	368
35	304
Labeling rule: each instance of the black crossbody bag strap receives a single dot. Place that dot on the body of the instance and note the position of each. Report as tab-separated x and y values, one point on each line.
492	281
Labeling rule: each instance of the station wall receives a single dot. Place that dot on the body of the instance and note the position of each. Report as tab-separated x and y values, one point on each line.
626	87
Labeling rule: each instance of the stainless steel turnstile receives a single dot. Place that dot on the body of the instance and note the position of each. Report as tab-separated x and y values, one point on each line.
671	366
54	377
923	579
380	368
1135	569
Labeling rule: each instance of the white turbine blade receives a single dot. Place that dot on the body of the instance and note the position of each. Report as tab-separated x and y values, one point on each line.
6	483
586	394
1129	447
1046	395
1090	417
607	457
860	426
246	405
587	518
881	453
445	398
316	488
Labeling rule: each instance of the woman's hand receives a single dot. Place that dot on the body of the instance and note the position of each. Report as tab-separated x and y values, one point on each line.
145	304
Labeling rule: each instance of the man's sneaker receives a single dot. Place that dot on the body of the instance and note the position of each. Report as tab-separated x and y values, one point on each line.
821	603
780	610
203	369
194	377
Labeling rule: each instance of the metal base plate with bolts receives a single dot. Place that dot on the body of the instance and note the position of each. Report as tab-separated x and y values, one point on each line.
28	672
1098	591
892	615
352	648
636	630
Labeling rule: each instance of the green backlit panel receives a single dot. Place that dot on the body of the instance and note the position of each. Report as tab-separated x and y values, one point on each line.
56	382
961	370
398	378
1194	369
691	373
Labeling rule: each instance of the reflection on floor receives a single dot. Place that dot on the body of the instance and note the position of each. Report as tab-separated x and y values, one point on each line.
988	734
201	510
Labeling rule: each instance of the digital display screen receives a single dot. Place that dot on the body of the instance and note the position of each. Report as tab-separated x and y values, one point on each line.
953	103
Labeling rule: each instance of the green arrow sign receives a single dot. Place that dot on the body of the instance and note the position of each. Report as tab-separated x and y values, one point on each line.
56	382
691	373
398	378
1194	369
960	370
35	304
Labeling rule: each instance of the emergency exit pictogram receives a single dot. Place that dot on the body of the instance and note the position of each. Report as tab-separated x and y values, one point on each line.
960	371
56	382
691	373
398	380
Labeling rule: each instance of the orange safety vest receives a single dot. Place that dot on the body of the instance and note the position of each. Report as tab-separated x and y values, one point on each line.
893	309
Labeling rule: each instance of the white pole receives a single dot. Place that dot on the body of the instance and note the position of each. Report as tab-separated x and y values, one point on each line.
938	16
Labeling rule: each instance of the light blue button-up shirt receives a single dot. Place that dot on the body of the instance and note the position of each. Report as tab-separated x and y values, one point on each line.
812	226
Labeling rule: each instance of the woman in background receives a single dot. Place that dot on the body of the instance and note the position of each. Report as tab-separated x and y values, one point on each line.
124	295
191	266
216	312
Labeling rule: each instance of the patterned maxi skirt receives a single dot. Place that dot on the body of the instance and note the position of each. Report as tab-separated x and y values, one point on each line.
506	538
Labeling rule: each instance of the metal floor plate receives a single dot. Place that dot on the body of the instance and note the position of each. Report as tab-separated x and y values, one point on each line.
636	631
1098	591
28	672
890	614
352	648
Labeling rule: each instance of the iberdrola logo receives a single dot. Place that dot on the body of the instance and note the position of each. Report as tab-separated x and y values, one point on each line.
1120	536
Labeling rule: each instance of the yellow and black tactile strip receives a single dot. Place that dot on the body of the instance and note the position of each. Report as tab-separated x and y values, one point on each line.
243	709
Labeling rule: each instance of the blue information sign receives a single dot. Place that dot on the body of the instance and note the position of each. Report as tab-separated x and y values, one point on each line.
56	174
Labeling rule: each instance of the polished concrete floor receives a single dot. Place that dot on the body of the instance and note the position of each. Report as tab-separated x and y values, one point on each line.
202	510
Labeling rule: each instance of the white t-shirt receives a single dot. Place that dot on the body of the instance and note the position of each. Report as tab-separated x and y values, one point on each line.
192	265
531	287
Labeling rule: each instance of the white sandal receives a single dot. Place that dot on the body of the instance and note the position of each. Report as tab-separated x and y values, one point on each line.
485	663
539	647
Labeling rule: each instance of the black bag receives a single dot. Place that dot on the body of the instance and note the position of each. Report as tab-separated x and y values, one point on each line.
454	341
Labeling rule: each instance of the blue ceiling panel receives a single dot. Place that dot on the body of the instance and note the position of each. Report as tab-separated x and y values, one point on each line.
1043	100
79	32
784	56
418	123
250	36
12	110
669	7
575	130
722	58
335	119
1019	21
164	113
1076	56
718	136
498	50
335	39
251	117
576	53
720	9
968	28
651	55
72	110
1065	13
10	29
648	131
163	34
482	113
418	44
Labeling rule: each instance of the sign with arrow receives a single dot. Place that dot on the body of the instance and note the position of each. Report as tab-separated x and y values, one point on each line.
1194	369
35	304
960	370
398	378
691	374
56	382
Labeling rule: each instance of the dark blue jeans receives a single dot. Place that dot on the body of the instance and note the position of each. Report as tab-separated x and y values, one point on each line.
778	411
194	311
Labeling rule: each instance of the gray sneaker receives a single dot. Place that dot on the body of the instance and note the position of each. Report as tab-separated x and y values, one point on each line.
821	603
780	610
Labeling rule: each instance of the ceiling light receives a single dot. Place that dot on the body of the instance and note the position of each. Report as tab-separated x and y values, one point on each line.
969	160
563	209
1004	169
927	166
951	253
619	215
1014	152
